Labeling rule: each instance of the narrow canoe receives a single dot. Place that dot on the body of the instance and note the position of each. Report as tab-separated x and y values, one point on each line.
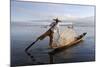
75	42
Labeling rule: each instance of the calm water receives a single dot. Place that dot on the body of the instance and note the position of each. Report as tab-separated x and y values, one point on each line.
24	35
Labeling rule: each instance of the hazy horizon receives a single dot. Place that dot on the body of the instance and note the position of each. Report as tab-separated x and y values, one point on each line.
27	11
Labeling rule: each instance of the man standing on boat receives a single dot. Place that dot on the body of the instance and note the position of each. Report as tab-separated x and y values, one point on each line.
54	27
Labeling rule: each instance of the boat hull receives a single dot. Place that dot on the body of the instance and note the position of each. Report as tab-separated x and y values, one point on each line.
75	42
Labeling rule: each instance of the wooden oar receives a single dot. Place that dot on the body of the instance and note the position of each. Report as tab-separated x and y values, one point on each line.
31	44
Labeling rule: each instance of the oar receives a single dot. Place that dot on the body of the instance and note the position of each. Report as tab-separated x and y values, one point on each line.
31	44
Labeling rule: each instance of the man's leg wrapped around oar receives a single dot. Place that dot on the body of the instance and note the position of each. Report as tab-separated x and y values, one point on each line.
48	33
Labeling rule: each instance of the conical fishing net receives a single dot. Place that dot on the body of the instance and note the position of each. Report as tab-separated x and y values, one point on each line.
67	36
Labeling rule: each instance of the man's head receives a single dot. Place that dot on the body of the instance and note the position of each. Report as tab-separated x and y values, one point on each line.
57	20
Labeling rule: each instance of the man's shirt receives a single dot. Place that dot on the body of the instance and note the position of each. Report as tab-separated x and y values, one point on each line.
55	28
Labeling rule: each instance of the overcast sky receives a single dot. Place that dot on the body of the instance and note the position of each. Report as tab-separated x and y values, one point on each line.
25	11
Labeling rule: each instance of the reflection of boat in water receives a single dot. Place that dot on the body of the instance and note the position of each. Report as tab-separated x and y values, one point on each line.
35	61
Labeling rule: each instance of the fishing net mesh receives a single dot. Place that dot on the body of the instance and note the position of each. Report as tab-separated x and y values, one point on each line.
67	36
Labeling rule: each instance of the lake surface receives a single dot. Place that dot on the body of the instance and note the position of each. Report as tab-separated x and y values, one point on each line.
24	35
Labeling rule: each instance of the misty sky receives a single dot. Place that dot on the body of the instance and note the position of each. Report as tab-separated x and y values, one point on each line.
25	11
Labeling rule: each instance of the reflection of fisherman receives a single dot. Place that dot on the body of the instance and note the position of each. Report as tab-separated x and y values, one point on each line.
53	27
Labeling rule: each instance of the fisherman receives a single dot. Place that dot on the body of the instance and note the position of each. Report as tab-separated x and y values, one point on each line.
54	26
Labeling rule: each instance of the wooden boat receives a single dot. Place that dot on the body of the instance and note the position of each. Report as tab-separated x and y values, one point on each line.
75	42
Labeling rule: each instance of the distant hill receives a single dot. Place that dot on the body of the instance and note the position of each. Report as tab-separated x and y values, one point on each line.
86	21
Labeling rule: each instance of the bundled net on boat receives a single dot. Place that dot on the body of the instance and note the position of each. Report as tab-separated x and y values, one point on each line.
67	36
